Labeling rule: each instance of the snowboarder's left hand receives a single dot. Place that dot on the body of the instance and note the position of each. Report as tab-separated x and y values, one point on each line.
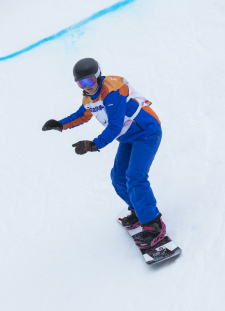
84	146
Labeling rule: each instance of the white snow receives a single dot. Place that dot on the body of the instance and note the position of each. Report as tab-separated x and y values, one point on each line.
61	247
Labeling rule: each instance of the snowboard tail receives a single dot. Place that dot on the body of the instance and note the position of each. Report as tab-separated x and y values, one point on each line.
161	251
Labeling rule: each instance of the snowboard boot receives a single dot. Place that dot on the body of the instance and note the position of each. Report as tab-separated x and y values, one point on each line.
131	221
152	233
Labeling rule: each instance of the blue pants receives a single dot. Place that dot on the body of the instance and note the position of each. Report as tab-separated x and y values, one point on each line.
130	175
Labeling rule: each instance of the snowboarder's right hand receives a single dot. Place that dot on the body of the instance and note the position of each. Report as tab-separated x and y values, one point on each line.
52	125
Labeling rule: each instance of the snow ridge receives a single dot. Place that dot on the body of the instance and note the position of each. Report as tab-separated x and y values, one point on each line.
113	8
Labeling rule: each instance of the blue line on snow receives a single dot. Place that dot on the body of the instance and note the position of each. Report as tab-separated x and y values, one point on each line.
85	21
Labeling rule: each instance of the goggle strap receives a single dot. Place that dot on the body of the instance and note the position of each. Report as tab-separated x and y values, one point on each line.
97	73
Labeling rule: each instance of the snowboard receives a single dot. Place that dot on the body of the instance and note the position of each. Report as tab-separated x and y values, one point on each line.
163	250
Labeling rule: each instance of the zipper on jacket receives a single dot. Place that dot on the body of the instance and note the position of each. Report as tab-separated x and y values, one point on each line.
138	125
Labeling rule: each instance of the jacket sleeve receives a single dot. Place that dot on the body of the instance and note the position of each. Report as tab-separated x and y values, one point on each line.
81	116
115	105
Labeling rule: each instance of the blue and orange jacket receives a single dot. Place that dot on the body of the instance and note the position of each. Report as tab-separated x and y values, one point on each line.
113	105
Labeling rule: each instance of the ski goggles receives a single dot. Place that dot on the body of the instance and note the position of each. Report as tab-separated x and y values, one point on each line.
88	81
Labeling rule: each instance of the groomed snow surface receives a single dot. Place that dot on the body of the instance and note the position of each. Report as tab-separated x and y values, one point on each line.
61	247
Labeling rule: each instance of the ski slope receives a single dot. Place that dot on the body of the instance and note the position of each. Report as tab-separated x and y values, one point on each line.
61	247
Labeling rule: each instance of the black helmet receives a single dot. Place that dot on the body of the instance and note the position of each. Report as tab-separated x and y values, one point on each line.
86	68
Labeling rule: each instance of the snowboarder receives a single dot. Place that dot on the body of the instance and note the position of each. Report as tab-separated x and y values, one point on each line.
128	118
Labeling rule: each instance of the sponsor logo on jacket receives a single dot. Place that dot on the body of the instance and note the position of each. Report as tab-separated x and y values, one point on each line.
97	108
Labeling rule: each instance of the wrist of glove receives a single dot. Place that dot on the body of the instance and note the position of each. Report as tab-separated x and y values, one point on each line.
84	146
52	125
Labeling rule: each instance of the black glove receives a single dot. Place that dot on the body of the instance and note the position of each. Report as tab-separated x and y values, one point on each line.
84	146
52	125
